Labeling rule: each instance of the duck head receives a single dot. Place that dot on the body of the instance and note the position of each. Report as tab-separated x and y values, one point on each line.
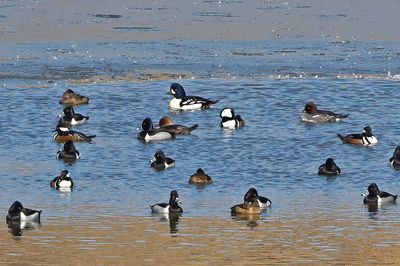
177	91
310	108
367	131
251	195
227	113
147	125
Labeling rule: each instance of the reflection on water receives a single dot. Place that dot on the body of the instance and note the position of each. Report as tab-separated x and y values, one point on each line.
171	218
16	228
250	218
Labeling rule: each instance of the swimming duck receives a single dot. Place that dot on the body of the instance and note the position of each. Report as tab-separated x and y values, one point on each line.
249	206
200	178
229	119
395	159
329	168
160	162
64	180
262	201
17	213
150	133
71	118
366	138
313	115
374	195
71	98
167	124
64	134
68	152
172	206
183	102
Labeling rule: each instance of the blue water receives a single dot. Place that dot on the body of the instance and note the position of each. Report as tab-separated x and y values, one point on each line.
274	152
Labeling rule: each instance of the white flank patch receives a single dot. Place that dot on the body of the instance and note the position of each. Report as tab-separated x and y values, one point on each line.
385	200
75	122
158	136
307	118
34	217
158	209
264	205
175	104
65	184
169	165
229	124
370	141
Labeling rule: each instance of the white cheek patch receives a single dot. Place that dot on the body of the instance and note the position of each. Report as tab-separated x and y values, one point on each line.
227	112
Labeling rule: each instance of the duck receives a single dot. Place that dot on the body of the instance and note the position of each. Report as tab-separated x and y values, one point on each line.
150	133
182	102
71	98
171	207
64	134
68	152
311	114
230	120
167	124
200	178
366	138
249	206
263	202
64	180
161	162
329	168
71	118
17	213
395	159
374	195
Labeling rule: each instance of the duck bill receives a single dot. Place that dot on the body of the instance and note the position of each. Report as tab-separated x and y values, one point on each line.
177	201
366	193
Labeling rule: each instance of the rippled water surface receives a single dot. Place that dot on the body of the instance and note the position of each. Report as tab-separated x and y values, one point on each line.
274	152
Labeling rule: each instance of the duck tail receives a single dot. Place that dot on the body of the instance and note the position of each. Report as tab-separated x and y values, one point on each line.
341	137
89	138
193	127
395	197
344	116
212	102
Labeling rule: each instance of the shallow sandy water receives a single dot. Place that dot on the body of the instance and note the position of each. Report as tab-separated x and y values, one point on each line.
203	241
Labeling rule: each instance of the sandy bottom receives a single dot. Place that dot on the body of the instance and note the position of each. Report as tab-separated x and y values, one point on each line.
201	241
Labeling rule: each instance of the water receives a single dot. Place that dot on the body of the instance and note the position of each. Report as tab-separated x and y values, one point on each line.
274	152
108	210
